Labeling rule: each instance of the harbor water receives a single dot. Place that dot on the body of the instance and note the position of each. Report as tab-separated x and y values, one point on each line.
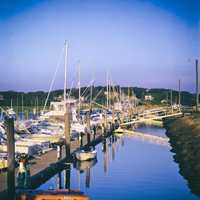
127	168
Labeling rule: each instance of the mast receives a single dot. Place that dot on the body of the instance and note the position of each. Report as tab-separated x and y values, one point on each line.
17	108
11	104
22	104
65	79
120	94
91	96
91	88
171	100
197	84
37	102
79	89
179	94
107	91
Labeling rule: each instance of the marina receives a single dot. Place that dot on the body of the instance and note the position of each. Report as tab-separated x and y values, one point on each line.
99	100
39	153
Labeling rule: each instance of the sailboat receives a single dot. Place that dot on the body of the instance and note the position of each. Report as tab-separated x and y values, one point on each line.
10	111
58	108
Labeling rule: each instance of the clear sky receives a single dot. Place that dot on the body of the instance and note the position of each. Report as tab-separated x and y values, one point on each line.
145	43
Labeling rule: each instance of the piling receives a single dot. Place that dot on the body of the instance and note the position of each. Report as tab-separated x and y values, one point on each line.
94	131
87	178
67	176
59	152
67	118
88	129
11	156
81	142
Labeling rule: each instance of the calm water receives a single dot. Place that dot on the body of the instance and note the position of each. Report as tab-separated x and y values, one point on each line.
128	169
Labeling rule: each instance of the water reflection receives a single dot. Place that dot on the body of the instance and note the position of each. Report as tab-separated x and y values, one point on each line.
84	165
105	155
117	170
187	154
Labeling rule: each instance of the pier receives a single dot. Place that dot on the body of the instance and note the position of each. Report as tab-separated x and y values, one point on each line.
48	164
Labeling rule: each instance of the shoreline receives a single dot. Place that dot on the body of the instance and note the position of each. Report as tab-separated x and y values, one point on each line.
184	138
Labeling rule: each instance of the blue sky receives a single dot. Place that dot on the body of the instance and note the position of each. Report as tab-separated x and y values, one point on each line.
146	43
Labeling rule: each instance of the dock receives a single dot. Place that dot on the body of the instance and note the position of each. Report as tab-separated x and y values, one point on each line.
48	164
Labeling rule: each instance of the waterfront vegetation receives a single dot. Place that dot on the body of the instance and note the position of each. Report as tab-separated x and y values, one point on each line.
33	99
184	135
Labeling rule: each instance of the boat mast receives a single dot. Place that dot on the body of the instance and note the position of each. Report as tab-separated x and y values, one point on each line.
22	104
91	96
79	89
107	91
65	79
11	104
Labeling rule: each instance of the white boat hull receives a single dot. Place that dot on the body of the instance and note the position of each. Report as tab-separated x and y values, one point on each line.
119	131
82	155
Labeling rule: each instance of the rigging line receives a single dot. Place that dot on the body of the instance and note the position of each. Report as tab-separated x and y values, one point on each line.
2	109
112	89
70	91
98	94
53	80
71	87
87	88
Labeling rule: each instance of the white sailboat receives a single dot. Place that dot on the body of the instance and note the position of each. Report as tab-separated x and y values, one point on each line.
58	108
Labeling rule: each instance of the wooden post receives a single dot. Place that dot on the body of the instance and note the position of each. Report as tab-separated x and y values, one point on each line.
179	94
67	132
197	85
11	157
59	151
94	131
87	178
81	143
67	176
88	128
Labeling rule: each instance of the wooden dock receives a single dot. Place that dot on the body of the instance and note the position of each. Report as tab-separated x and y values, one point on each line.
47	165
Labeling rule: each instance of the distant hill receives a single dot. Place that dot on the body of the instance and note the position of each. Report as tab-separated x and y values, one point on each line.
38	97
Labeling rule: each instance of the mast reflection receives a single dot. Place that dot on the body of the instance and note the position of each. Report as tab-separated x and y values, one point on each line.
105	156
85	166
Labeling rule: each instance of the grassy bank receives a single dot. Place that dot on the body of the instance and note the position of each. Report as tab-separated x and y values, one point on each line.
184	124
184	138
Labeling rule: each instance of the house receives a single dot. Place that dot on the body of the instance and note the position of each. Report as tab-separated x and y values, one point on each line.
148	97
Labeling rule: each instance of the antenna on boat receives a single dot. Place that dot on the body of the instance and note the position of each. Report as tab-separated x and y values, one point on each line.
65	79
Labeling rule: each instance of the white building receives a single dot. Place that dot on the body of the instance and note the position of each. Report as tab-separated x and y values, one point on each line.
148	97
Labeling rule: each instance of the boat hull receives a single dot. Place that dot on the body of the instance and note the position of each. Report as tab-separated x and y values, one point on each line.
82	155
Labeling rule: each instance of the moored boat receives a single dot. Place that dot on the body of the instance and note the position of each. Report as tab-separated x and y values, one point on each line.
119	130
83	155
